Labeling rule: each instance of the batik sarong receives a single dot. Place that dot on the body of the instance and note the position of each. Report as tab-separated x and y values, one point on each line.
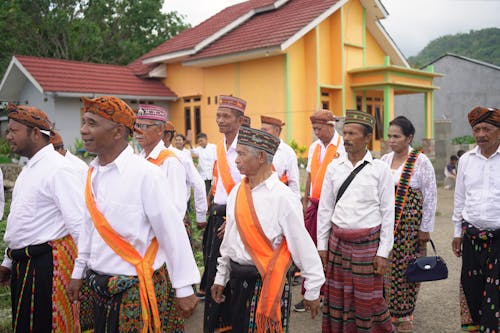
217	317
480	278
40	275
311	223
245	286
400	294
354	299
117	306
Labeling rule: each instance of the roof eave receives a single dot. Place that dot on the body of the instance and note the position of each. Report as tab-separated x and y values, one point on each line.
235	57
302	32
15	62
65	94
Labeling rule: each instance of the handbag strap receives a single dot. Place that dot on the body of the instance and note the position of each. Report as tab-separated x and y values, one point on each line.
348	180
433	247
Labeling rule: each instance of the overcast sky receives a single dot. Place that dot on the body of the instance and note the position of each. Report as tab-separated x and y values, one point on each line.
411	23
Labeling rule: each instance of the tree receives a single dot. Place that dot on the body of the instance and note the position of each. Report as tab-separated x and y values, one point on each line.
101	31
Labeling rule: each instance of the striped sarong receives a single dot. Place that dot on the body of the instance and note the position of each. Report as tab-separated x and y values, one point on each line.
354	299
117	306
400	294
40	274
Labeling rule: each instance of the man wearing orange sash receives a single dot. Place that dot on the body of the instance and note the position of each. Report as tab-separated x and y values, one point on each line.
43	226
285	159
132	233
193	179
151	121
229	118
260	243
326	148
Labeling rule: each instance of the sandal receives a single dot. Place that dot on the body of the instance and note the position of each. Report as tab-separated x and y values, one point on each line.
405	327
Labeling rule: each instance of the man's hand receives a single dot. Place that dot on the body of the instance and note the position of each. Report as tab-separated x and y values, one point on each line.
220	231
423	238
201	225
186	305
4	275
324	258
313	306
216	291
73	289
380	265
456	246
305	204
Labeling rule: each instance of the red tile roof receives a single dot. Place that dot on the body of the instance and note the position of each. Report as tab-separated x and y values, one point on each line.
271	28
268	28
56	75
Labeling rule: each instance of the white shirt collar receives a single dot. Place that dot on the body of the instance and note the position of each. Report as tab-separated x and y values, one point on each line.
333	141
477	151
120	161
368	157
39	155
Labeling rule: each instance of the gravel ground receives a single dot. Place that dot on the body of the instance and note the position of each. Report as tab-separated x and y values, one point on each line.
437	308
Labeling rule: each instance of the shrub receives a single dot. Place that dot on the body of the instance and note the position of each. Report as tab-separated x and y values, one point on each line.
466	139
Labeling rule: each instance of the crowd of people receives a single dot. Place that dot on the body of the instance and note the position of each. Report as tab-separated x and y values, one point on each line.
106	247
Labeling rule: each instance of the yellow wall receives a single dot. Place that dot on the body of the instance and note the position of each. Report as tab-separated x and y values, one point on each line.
317	62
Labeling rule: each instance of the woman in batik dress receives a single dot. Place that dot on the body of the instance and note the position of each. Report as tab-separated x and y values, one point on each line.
416	198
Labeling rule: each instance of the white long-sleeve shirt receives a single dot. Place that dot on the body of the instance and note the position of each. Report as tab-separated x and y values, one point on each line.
220	197
284	220
206	159
194	180
78	164
285	161
2	195
47	202
424	179
367	202
126	192
323	148
477	191
174	172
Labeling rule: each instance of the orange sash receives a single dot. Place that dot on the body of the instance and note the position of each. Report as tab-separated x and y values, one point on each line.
317	170
215	176
223	170
283	177
272	264
143	266
164	154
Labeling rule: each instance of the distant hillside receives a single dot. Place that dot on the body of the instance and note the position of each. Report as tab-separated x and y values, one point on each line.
483	45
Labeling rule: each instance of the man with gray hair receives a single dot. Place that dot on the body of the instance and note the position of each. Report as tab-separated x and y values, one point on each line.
260	244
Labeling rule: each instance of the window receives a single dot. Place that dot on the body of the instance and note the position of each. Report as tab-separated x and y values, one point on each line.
197	120
187	118
208	100
187	100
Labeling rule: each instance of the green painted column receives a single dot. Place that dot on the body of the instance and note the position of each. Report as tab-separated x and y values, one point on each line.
388	109
429	115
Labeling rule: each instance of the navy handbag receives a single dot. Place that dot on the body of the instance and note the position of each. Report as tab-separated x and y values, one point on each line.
429	268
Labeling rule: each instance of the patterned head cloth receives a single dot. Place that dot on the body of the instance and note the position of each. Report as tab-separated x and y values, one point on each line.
482	114
359	117
271	121
111	108
169	126
56	140
323	117
247	121
30	116
258	139
233	103
153	112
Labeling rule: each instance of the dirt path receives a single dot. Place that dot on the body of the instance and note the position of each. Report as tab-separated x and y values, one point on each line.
437	306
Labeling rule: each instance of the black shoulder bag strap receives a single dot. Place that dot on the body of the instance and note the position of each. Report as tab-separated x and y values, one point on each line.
348	180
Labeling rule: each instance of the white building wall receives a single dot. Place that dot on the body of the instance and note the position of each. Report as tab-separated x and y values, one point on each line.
68	119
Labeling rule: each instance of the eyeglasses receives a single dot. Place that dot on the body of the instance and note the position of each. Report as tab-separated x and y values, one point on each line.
143	126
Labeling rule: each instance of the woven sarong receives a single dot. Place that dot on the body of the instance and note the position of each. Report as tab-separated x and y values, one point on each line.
216	316
400	294
117	306
311	223
245	286
40	274
480	278
354	299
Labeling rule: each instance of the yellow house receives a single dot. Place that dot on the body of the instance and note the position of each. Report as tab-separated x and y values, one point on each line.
288	58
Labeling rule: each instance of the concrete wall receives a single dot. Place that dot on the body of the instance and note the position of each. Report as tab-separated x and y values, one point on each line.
465	85
67	120
33	97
